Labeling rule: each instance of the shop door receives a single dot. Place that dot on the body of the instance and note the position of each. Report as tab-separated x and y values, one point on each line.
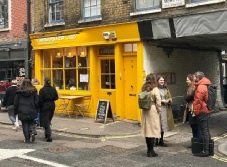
107	82
130	87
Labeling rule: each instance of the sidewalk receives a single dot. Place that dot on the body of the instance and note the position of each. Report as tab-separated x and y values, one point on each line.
88	127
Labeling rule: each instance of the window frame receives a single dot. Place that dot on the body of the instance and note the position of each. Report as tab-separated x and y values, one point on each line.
6	24
147	8
91	16
53	4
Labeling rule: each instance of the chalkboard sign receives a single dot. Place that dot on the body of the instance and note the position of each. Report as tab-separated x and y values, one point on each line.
103	110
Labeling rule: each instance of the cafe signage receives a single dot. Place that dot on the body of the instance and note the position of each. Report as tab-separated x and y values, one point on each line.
172	3
55	40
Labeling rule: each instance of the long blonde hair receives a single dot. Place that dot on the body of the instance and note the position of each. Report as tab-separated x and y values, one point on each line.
191	87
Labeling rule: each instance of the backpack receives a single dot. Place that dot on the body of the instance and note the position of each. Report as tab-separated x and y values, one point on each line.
144	100
212	96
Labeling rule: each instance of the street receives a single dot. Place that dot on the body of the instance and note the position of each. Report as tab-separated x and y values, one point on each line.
68	149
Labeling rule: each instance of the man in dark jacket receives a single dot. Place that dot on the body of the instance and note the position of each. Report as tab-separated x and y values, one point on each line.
201	111
8	102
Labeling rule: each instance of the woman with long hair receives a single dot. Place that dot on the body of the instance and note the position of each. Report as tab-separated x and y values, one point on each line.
26	104
167	122
190	80
47	96
150	123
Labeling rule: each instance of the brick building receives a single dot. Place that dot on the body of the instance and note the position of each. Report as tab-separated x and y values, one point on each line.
13	39
106	48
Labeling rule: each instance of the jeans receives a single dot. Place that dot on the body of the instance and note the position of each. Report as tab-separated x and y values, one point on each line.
28	129
204	128
11	115
196	131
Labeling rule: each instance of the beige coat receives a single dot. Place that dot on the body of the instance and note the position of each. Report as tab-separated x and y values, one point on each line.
150	124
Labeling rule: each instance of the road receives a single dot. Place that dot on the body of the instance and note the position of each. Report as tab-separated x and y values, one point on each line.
69	150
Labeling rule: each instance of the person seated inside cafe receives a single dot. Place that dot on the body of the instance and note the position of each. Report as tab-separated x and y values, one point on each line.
71	84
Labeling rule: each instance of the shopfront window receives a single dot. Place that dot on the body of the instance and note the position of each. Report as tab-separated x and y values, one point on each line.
108	74
69	68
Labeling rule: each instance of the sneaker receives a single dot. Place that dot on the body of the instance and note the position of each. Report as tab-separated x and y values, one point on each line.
49	140
17	128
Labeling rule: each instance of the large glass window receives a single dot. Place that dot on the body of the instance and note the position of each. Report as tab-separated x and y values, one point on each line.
4	14
68	68
146	4
91	8
56	11
108	74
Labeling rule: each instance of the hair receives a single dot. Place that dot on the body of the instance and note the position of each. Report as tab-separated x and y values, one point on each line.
27	86
199	75
14	82
191	87
161	76
149	83
47	81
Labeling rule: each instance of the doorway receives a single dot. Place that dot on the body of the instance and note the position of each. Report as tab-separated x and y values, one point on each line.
130	87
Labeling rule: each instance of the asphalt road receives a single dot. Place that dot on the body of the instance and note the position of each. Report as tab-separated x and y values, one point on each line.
73	150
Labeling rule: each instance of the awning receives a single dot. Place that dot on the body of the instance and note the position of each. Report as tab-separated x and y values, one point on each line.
202	31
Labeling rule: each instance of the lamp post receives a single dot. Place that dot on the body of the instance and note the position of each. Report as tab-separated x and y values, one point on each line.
28	38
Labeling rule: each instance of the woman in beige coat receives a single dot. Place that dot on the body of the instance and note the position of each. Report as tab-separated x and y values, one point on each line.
150	124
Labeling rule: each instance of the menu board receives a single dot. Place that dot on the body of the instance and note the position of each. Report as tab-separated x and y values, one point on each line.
103	110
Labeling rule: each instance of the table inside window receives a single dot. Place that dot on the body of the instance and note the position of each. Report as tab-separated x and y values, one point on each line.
66	101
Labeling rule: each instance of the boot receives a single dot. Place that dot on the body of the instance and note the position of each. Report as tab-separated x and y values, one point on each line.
48	138
156	142
148	147
152	152
205	152
161	141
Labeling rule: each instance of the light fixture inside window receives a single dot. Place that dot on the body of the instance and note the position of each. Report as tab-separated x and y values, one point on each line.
69	54
82	51
58	55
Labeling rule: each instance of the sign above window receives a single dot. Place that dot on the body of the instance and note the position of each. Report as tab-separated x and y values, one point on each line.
172	3
106	50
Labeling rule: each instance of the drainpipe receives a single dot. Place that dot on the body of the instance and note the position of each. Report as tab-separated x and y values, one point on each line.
28	38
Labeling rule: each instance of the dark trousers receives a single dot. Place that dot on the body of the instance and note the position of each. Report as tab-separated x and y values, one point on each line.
196	131
47	130
28	128
204	128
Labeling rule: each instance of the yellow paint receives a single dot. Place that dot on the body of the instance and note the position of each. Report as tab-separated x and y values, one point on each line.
92	37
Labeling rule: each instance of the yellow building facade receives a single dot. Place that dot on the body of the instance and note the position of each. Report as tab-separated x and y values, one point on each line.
104	62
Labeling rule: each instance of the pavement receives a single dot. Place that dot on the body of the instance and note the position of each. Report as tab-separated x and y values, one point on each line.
88	127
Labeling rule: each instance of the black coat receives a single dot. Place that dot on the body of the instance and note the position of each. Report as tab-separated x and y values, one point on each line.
26	105
47	96
9	96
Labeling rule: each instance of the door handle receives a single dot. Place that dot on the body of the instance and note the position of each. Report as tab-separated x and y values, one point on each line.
132	94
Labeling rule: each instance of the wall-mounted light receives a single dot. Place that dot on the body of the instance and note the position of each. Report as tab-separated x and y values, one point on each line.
168	51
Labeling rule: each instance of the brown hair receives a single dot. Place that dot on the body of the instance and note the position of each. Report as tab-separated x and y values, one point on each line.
27	86
149	83
161	76
191	87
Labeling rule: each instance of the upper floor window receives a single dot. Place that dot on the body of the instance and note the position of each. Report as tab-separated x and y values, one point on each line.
146	4
91	9
56	11
4	14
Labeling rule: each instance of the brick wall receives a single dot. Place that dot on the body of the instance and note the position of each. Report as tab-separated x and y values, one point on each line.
18	18
182	62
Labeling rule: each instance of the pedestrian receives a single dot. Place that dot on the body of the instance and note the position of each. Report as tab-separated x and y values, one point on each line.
167	122
190	80
8	101
150	124
26	104
201	111
47	96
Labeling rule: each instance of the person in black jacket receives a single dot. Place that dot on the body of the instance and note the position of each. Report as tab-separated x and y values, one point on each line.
26	104
47	96
8	102
190	115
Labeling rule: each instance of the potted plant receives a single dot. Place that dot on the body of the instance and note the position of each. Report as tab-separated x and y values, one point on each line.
56	83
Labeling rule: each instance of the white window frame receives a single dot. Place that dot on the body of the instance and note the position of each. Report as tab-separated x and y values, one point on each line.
9	17
53	4
155	4
88	5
